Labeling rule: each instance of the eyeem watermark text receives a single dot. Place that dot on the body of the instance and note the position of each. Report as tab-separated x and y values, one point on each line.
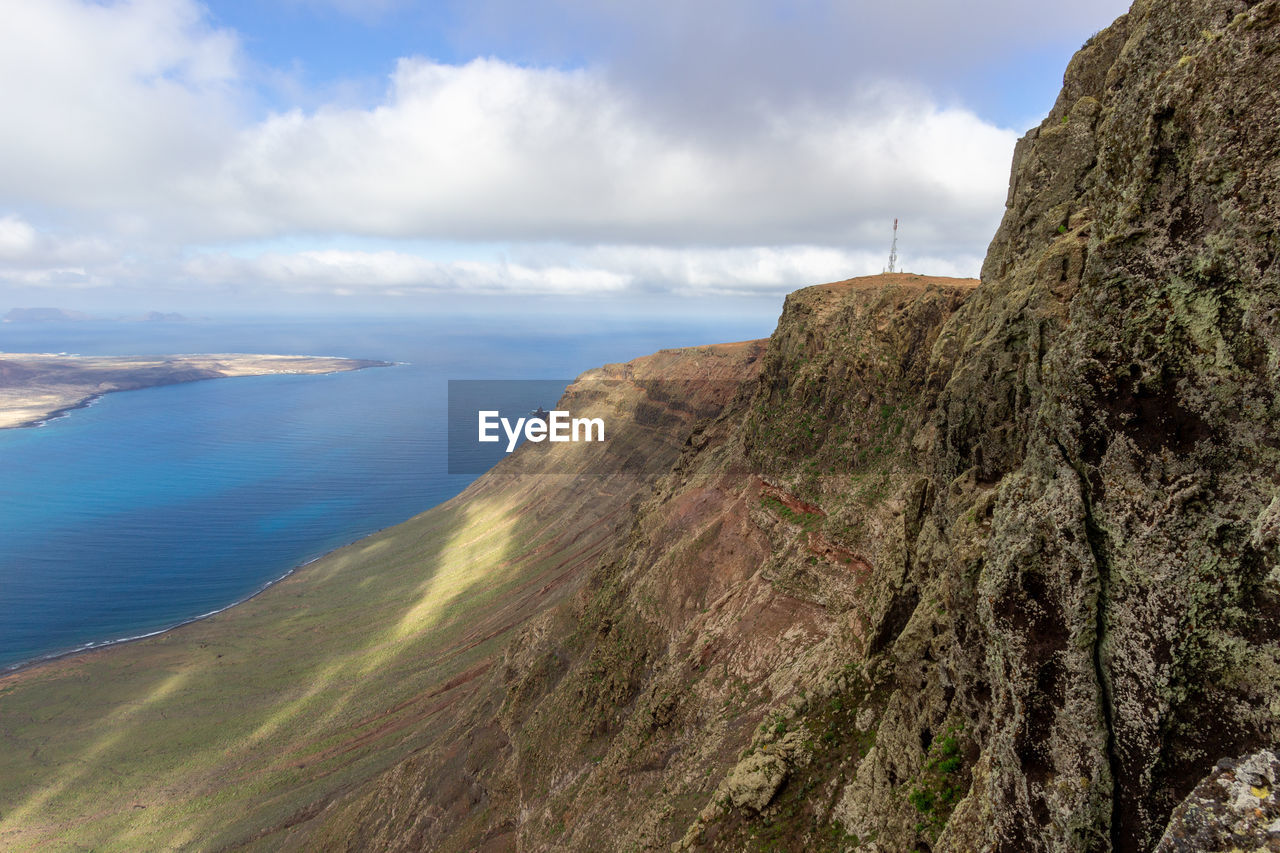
555	425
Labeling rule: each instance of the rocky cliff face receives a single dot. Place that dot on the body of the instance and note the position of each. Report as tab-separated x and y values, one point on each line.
1112	412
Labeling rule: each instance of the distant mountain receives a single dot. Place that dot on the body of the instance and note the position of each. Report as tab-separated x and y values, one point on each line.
44	315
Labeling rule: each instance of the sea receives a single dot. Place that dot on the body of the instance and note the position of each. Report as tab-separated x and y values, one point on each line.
151	508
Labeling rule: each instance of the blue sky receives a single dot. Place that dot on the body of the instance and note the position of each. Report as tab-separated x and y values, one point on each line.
334	155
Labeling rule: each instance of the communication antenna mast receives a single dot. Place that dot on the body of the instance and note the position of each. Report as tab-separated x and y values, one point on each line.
893	250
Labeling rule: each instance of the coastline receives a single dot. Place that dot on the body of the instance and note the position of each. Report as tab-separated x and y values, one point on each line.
328	681
42	387
334	364
26	666
64	412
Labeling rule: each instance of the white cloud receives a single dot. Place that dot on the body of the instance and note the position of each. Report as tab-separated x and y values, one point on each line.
126	122
489	150
600	270
34	259
396	273
102	107
760	269
123	139
17	238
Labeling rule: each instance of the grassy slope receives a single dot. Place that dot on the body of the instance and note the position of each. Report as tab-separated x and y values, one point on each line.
240	720
256	717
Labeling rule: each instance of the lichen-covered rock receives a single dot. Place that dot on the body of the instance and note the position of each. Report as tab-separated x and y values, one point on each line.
755	779
1234	808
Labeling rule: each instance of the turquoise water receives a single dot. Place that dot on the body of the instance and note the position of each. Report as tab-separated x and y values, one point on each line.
153	507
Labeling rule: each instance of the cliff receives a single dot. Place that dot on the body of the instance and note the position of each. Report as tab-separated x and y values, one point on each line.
1110	422
675	675
940	567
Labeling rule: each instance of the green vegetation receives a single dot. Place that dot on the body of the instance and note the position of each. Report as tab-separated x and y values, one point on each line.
806	520
799	818
941	786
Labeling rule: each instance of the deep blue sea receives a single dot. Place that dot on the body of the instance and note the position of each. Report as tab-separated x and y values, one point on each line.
154	507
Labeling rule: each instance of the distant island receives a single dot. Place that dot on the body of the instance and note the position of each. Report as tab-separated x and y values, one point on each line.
61	315
161	317
44	315
35	387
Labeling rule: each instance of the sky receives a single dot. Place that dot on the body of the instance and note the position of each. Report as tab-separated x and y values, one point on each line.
392	156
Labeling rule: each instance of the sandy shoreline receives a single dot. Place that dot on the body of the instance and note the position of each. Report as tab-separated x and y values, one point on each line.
23	666
57	413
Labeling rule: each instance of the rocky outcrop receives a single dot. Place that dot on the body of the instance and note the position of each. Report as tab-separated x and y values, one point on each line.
1234	808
